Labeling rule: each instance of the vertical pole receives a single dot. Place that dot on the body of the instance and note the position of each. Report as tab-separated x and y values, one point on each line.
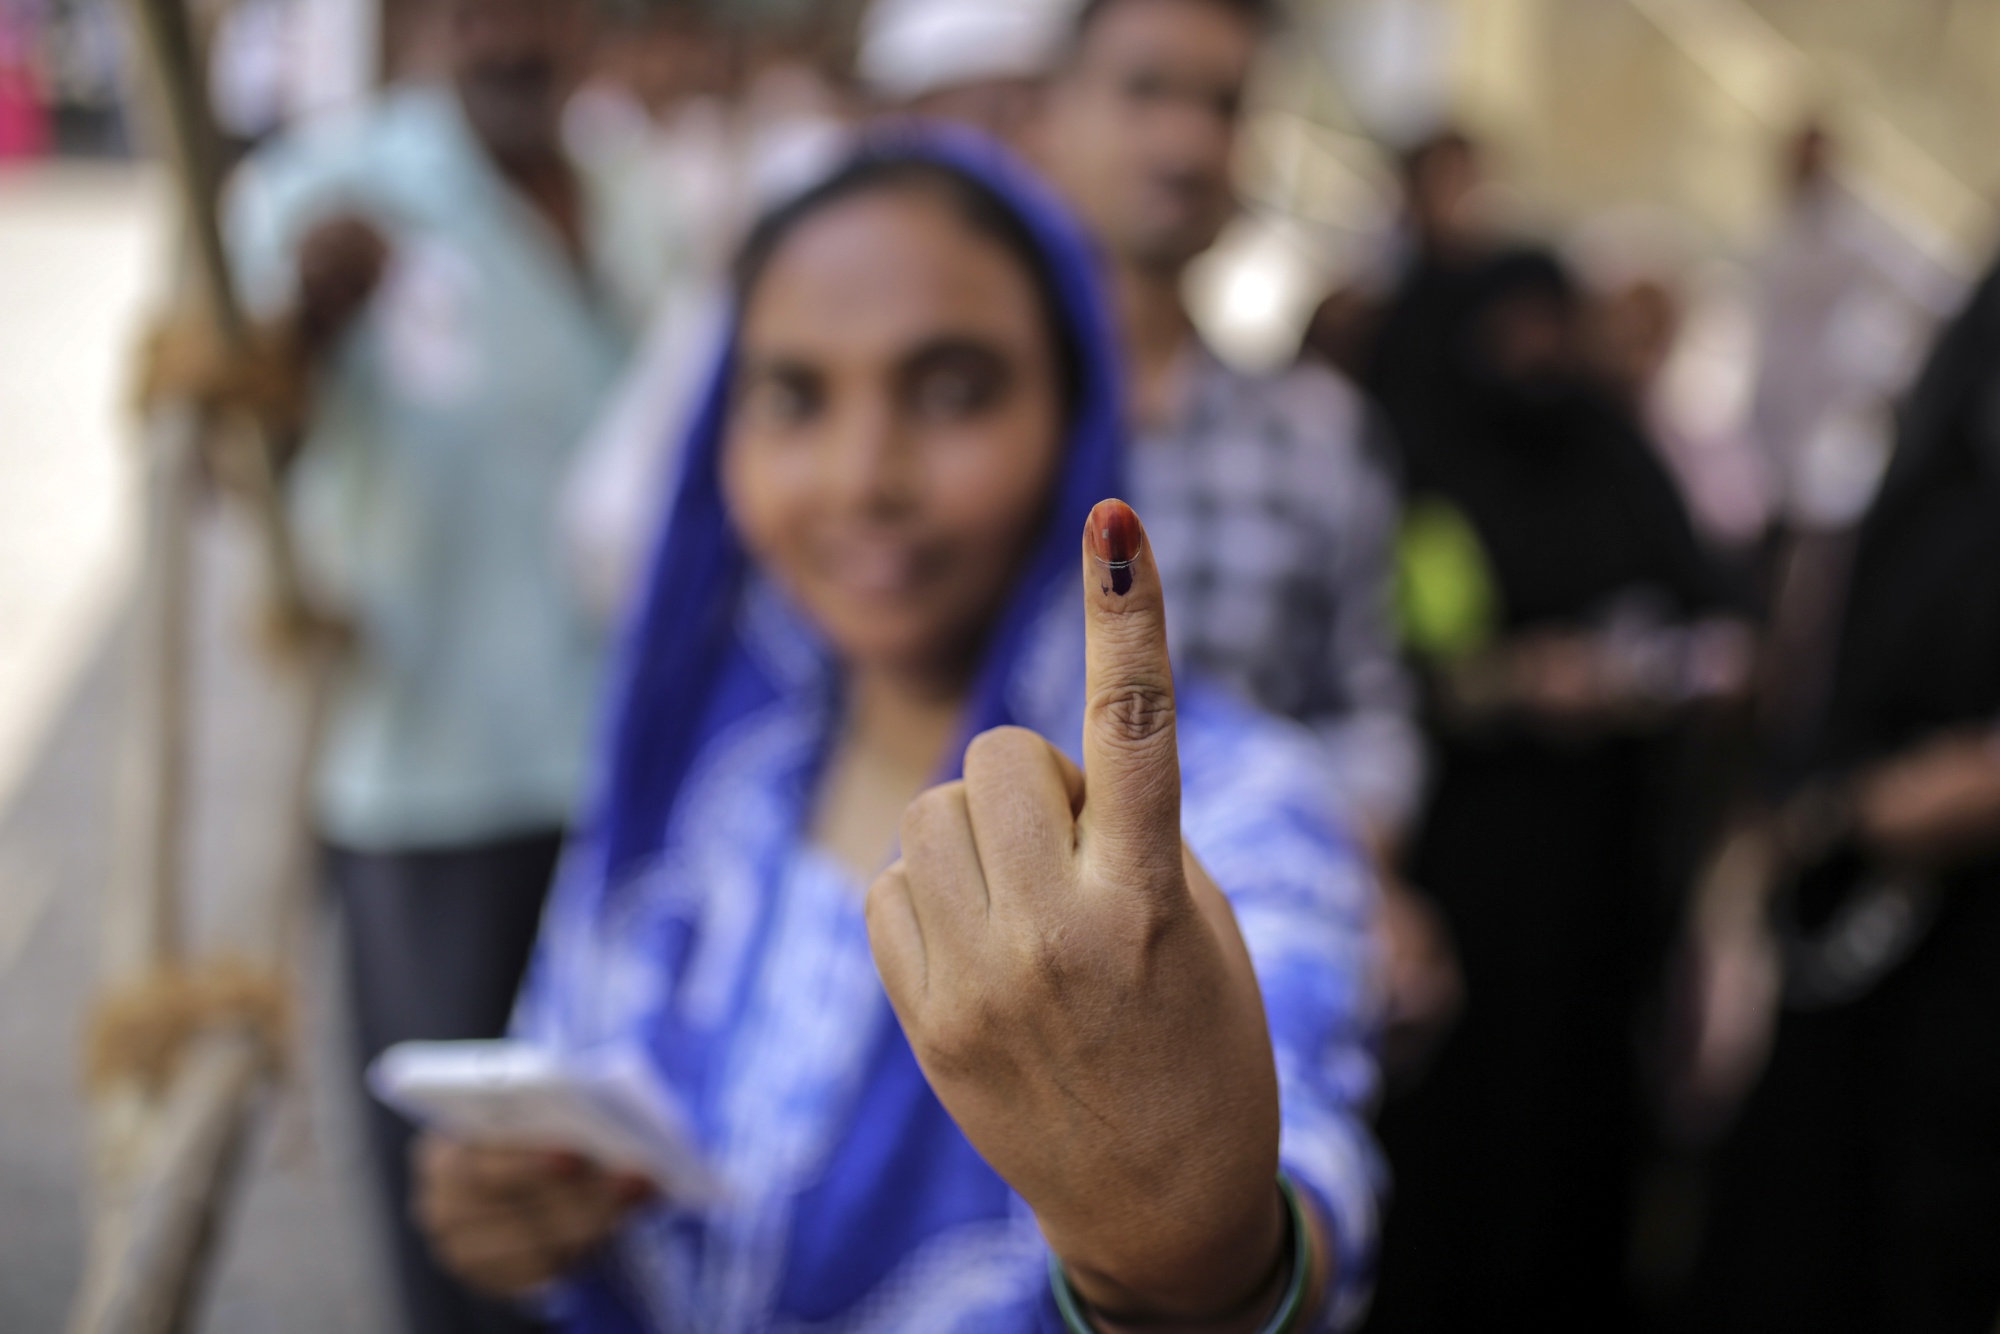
143	918
166	1157
144	928
174	63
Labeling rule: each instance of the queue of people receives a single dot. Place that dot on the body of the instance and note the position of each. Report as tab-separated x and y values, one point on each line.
1269	904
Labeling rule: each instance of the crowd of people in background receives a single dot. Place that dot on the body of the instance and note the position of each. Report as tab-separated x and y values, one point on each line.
1634	965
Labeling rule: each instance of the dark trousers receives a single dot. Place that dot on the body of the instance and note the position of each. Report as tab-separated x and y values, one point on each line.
437	942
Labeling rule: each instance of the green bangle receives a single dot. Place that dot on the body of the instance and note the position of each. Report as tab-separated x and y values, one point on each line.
1287	1319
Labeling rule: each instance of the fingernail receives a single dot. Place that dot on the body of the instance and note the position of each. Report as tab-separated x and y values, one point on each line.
1115	536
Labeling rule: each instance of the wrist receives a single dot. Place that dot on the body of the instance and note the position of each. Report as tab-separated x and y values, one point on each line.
1254	1276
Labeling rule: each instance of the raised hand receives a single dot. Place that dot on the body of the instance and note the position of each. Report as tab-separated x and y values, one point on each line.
1077	992
341	263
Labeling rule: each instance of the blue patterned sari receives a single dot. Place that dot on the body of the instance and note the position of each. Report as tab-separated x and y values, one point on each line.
695	925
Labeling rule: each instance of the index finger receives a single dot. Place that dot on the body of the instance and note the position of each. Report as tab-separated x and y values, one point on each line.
1131	756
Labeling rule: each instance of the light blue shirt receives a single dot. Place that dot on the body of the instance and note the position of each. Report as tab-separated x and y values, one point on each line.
425	499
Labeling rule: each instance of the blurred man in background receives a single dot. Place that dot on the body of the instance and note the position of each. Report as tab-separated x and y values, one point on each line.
1266	496
980	62
1405	276
1847	303
1402	348
437	262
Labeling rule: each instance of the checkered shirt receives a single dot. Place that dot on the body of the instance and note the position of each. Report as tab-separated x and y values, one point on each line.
1272	514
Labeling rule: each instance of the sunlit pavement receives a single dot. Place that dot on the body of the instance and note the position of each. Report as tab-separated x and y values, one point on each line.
78	249
81	249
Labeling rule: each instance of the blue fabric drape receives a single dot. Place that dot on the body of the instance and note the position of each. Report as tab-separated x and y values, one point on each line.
687	674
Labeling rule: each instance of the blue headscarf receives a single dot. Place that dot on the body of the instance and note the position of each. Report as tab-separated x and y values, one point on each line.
685	674
689	672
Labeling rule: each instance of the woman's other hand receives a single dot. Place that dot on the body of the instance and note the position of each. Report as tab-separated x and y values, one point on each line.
507	1221
1077	992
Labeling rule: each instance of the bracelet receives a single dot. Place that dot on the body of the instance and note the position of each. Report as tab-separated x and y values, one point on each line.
1287	1319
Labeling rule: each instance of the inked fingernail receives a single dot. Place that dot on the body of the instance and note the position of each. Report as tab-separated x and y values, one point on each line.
1114	536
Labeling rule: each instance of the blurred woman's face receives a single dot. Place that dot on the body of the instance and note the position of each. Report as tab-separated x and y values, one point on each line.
897	428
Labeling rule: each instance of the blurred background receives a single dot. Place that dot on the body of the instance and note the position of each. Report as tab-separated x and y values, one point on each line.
1646	138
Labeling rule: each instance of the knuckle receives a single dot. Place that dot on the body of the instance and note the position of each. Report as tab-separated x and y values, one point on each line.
884	911
937	806
1001	751
880	897
932	814
1135	712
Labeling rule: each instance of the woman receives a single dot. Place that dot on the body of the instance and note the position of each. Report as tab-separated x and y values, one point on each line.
1860	1190
870	561
1557	591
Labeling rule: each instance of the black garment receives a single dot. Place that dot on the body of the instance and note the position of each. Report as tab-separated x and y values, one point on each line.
1860	1192
437	944
1513	1159
1412	364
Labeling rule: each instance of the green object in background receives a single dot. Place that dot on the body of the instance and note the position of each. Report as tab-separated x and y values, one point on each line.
1447	600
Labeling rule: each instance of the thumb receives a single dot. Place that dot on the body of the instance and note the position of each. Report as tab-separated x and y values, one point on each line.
1132	801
